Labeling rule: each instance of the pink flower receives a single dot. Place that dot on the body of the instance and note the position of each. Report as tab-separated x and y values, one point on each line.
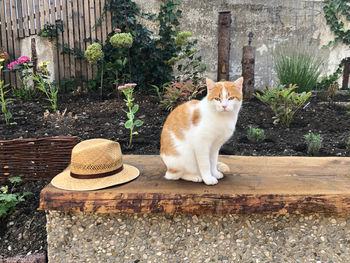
12	65
23	59
127	85
130	84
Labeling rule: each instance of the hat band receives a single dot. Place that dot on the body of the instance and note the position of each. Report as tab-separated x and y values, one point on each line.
94	176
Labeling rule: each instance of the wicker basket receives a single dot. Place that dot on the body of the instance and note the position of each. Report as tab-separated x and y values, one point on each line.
35	159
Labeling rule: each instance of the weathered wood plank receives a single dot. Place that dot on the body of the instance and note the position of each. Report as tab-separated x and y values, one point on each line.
17	51
60	72
103	22
42	14
20	18
25	18
58	56
98	16
76	39
93	33
87	33
47	12
32	30
10	46
255	185
37	15
4	40
109	21
82	44
65	38
71	36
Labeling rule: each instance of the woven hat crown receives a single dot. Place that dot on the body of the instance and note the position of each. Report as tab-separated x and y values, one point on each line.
96	156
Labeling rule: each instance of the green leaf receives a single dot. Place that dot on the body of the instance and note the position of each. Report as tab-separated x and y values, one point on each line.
128	124
130	115
135	108
15	179
138	123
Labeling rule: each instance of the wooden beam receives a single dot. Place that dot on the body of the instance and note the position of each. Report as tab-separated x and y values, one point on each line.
248	64
266	185
224	46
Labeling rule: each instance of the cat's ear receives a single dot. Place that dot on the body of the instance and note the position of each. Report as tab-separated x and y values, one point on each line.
239	83
210	84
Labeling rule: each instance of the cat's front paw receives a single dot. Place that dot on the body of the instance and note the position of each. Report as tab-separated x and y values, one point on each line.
217	174
210	180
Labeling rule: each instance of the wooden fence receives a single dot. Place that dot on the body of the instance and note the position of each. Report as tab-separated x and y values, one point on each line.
82	22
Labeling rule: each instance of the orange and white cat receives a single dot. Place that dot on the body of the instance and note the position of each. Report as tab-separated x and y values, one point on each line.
194	132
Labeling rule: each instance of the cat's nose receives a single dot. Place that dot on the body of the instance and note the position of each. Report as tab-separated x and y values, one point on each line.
224	106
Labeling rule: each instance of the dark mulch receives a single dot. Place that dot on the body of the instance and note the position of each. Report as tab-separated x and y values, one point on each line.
24	231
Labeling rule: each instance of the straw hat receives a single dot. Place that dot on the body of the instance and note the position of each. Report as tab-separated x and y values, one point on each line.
95	164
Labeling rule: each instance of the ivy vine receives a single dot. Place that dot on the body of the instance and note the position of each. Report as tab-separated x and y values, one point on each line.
148	58
334	11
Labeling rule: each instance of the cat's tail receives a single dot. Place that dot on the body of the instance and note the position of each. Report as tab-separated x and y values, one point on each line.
223	168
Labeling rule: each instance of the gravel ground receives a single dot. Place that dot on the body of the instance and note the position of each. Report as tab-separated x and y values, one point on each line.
84	237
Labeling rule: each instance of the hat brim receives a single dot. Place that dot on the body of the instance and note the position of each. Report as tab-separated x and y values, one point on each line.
66	182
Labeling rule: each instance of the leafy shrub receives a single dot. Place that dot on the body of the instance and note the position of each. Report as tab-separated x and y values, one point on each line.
256	135
179	92
147	60
348	145
23	66
93	53
298	64
8	199
188	64
284	102
313	142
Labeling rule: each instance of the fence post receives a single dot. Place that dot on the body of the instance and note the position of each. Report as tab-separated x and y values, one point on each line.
224	46
248	64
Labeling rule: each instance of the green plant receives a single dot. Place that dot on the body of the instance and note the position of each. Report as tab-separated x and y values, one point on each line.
284	102
188	63
122	42
147	60
23	66
8	199
313	142
336	12
94	55
130	124
179	91
42	82
256	135
333	11
298	64
49	30
348	145
159	90
4	101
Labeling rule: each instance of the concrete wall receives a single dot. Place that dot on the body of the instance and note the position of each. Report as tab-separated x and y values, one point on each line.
271	21
45	51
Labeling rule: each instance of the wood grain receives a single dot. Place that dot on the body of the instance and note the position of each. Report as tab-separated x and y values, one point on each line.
277	185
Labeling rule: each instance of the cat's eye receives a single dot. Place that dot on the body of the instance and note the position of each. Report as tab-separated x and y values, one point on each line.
231	98
217	98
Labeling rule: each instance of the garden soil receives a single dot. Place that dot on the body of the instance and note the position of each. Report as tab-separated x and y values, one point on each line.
23	232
